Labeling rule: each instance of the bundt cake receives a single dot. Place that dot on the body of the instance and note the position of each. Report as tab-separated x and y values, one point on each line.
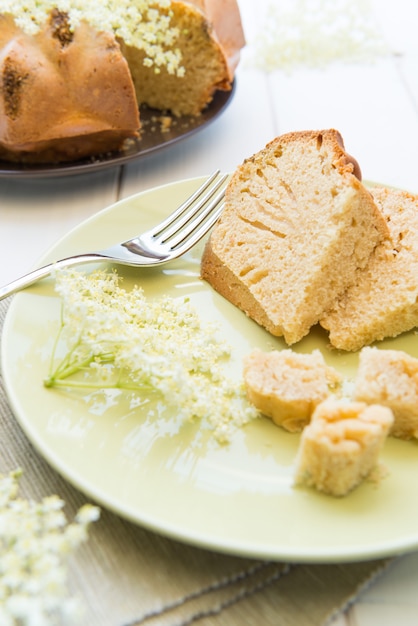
73	73
297	225
63	95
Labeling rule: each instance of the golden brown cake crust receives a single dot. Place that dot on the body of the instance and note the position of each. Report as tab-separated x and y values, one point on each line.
297	224
224	16
57	107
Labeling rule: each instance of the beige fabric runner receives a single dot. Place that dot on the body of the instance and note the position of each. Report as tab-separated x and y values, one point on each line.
129	576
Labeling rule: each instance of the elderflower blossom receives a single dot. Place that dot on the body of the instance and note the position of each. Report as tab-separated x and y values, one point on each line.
35	543
144	24
120	339
314	33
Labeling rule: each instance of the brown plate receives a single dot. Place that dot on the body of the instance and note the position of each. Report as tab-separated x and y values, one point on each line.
155	136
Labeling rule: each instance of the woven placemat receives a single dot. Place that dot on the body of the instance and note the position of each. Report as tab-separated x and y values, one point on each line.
128	576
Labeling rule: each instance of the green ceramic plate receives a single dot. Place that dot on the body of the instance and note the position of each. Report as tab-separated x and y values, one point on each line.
173	479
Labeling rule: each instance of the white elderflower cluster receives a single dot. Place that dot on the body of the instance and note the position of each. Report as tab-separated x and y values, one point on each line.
35	542
144	24
120	339
315	33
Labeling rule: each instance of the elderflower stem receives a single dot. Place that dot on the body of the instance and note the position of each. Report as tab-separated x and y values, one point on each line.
67	367
77	384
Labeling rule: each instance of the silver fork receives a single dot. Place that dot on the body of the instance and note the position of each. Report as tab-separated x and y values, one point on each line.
170	239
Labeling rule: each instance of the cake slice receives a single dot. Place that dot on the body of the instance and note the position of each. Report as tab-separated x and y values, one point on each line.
287	386
390	377
297	225
341	445
383	302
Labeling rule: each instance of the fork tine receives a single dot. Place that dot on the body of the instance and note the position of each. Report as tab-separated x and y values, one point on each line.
199	222
200	231
185	211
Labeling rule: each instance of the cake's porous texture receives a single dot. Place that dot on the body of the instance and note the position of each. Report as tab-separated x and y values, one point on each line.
209	55
341	445
390	378
383	302
297	225
287	386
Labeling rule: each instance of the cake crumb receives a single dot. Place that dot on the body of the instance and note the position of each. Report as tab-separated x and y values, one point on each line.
340	447
287	386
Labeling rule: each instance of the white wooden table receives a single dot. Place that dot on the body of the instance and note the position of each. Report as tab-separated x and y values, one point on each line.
375	107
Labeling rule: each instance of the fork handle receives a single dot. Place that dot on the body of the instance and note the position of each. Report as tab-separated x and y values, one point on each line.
43	272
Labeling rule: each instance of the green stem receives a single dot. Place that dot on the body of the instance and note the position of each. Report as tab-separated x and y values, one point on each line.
75	384
67	367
